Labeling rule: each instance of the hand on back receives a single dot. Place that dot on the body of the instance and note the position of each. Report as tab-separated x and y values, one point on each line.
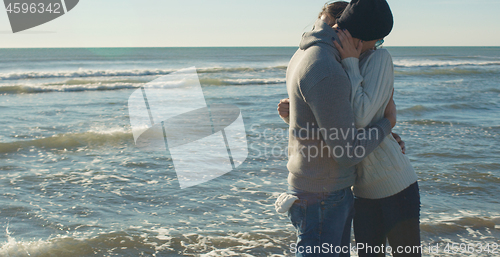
284	108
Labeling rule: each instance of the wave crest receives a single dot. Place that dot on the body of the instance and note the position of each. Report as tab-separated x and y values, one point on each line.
21	89
435	63
458	226
125	73
73	86
448	72
71	140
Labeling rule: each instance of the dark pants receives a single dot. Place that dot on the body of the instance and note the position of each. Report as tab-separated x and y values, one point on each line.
395	218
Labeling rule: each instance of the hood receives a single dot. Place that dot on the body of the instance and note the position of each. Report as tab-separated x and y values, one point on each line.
320	34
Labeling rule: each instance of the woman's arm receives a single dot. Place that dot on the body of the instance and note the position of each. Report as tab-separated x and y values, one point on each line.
371	90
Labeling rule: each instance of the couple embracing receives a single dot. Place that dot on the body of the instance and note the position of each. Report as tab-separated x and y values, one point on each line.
341	113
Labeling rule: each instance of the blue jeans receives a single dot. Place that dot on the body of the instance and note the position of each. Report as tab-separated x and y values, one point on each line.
323	222
395	218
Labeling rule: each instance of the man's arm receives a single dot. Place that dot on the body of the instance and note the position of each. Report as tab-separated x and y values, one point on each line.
284	112
329	101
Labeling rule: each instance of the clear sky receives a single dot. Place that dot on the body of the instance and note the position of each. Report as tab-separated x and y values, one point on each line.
166	23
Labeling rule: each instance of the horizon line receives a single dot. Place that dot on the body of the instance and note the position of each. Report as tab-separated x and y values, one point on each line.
110	47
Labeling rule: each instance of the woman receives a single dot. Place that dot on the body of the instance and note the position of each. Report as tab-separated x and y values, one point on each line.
331	12
387	201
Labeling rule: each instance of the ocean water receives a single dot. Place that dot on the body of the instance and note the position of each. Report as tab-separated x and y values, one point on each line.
72	182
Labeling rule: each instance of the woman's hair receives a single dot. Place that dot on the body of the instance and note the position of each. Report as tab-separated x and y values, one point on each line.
334	10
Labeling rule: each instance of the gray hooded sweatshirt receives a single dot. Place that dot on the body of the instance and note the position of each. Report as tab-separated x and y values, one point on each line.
324	144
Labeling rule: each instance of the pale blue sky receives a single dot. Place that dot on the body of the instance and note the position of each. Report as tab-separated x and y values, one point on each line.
165	23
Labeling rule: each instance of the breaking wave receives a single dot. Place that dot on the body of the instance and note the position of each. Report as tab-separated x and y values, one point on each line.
71	140
125	73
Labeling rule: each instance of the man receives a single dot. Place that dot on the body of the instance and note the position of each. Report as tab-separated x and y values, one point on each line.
324	145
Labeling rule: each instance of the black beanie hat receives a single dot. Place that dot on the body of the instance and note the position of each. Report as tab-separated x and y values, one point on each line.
367	19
